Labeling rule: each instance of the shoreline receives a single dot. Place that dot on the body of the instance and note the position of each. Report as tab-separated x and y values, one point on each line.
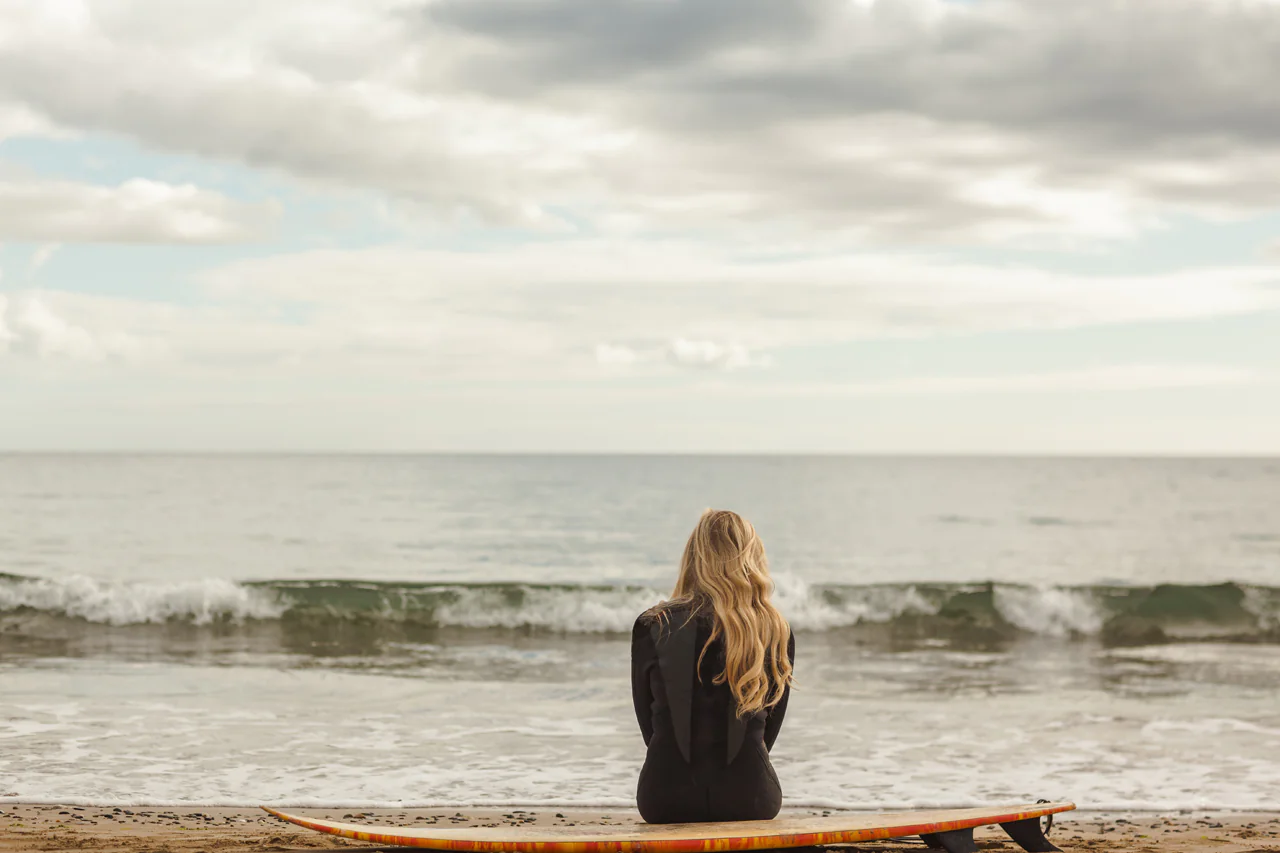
179	829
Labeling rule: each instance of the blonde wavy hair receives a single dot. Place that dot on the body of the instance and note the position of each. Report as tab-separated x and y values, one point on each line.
724	569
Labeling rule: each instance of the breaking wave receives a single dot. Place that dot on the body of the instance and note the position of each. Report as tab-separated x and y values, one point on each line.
1118	615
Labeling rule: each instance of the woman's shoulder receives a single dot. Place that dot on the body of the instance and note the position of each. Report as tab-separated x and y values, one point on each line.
643	622
666	613
647	619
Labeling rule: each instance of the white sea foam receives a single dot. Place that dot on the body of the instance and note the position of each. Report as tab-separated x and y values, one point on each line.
1265	606
1053	611
594	610
1237	657
1208	727
817	610
588	610
129	603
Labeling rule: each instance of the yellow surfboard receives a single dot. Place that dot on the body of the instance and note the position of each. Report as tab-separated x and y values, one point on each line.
951	830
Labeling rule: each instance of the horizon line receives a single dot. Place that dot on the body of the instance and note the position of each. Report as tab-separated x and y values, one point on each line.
1207	455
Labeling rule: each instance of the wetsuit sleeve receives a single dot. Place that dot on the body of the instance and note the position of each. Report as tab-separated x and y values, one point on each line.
643	657
773	722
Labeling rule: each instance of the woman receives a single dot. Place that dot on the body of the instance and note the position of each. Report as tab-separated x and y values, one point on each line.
710	677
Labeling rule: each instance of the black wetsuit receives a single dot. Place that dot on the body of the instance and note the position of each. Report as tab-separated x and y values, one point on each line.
703	763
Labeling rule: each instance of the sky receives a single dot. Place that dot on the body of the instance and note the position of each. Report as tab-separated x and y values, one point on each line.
739	226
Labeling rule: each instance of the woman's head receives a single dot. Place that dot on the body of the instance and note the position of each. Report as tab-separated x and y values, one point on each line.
723	561
724	570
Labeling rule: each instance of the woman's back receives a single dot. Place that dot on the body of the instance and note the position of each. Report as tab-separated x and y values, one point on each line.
704	762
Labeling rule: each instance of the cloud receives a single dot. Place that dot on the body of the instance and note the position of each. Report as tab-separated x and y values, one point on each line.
913	121
17	120
242	84
926	116
563	310
681	353
711	354
41	256
136	211
613	355
29	328
1118	377
61	327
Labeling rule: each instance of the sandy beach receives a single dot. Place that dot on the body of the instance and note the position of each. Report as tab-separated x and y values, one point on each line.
40	827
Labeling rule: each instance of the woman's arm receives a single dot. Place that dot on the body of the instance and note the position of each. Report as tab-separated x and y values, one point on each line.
643	657
773	722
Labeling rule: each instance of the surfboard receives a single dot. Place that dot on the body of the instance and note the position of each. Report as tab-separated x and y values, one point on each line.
950	829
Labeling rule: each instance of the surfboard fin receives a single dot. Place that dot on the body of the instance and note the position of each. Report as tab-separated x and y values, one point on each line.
1028	835
953	841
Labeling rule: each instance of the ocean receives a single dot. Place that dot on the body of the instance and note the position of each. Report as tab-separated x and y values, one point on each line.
428	630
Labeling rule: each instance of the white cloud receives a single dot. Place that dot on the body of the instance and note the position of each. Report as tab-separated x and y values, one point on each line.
136	211
681	353
615	355
41	256
711	354
29	328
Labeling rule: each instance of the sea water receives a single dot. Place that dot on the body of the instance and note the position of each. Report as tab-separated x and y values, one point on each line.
431	630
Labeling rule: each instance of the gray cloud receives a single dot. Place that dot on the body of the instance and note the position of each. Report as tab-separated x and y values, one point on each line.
912	120
615	39
1113	71
266	119
1084	96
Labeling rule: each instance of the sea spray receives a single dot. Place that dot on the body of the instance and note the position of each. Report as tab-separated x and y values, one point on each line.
200	602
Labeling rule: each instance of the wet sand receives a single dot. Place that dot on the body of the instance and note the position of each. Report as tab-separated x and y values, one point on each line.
176	830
